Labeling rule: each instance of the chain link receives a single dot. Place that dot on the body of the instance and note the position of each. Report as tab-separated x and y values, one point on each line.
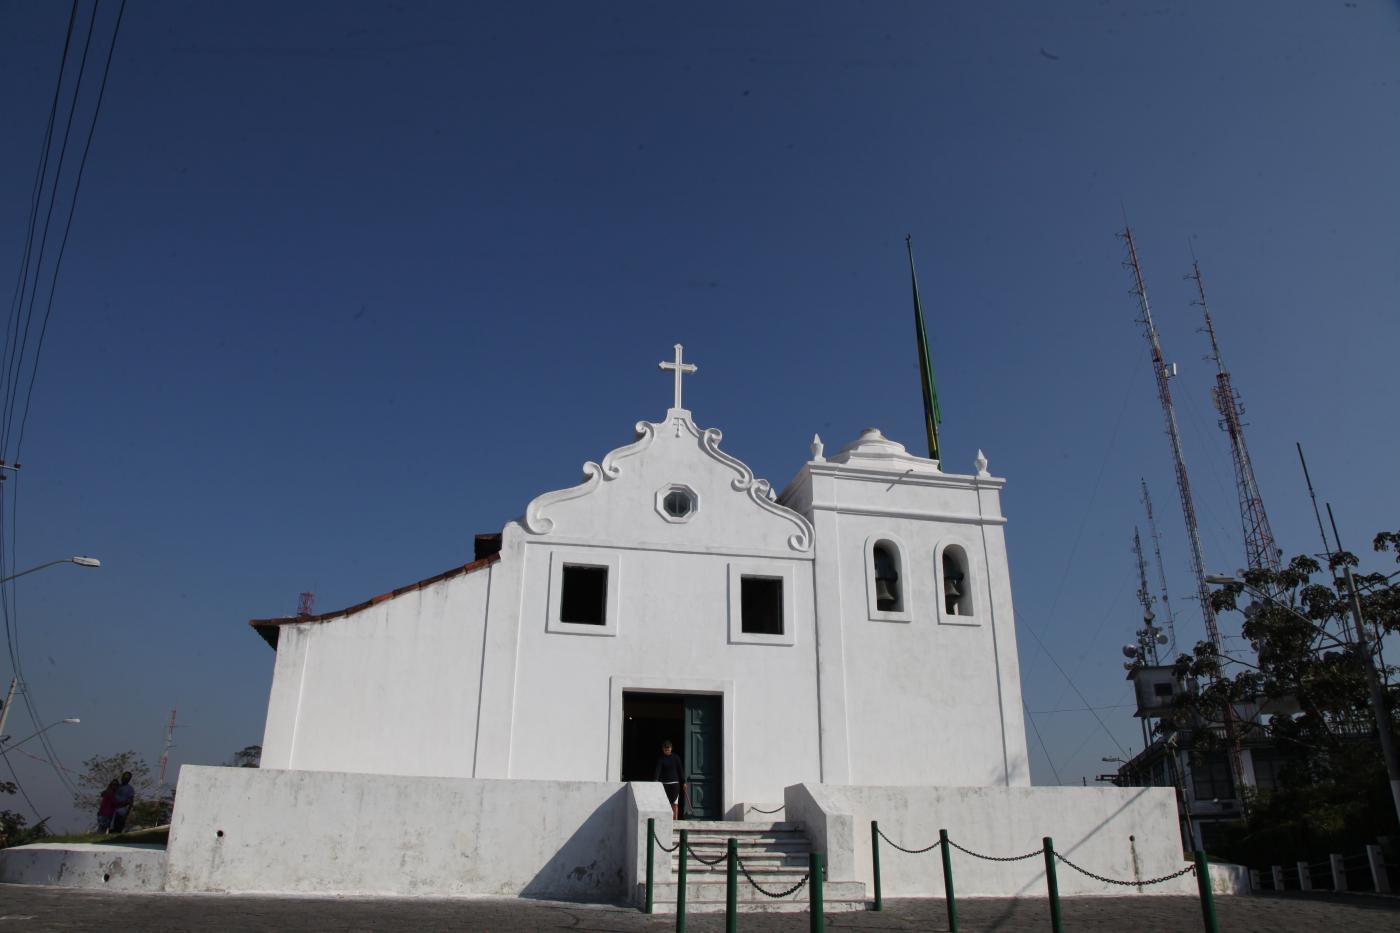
769	812
910	851
764	891
704	861
996	858
1189	869
662	847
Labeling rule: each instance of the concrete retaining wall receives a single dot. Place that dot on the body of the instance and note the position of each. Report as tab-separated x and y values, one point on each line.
77	865
250	829
1107	830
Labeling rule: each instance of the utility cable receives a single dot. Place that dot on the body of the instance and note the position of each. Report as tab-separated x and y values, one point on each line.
1045	751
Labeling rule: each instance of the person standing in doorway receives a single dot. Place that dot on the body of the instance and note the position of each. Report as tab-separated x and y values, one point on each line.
123	796
671	773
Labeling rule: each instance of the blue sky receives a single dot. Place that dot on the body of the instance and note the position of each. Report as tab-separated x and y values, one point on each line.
349	283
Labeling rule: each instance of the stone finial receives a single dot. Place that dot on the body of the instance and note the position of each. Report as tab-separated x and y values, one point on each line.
817	449
981	462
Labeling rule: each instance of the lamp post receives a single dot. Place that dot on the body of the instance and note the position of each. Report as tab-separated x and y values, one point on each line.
77	559
1361	647
6	747
80	560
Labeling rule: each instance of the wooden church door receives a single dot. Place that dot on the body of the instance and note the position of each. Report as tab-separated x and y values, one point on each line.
704	755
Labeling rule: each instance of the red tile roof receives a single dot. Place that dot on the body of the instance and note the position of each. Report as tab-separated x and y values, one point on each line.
268	628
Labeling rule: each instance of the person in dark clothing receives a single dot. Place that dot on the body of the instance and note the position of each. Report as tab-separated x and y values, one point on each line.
671	773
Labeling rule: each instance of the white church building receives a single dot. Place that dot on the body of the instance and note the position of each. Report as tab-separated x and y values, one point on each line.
844	649
856	628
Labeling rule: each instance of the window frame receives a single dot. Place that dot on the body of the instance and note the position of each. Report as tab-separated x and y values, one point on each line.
969	578
584	557
873	612
784	571
684	490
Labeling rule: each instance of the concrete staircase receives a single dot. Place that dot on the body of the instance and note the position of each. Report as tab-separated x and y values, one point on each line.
775	854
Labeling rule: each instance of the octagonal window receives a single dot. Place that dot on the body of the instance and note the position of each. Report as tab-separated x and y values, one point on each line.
676	503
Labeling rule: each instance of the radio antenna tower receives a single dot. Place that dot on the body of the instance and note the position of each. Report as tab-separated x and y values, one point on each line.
1161	568
1260	551
1163	373
1183	486
165	751
1148	635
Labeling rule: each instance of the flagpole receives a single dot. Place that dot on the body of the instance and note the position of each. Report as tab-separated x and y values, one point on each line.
932	416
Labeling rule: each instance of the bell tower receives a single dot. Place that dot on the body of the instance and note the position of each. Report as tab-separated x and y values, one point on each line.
917	662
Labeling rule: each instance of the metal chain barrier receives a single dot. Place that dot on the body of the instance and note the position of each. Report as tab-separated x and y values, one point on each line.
764	891
910	851
1189	869
701	859
662	847
997	858
769	812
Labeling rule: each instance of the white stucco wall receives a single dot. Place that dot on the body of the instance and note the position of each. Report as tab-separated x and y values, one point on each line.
390	689
83	865
670	630
1091	826
923	697
259	830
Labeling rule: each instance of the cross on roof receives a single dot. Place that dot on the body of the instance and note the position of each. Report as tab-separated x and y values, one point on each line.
680	370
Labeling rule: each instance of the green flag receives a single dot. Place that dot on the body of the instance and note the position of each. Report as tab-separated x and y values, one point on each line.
932	417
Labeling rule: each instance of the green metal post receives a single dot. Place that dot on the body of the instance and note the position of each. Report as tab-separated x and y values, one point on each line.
680	883
816	907
1056	923
875	862
1207	897
947	853
731	890
651	872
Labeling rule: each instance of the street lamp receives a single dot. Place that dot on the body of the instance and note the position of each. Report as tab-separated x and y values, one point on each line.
5	747
80	560
1368	668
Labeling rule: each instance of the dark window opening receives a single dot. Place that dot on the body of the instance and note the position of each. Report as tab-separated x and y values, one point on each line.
1162	691
761	605
676	504
1211	778
956	601
887	597
583	599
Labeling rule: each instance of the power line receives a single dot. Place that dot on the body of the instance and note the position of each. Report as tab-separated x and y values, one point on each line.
1045	751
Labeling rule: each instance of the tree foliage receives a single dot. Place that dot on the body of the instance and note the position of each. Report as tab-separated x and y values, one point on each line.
100	769
1305	691
249	757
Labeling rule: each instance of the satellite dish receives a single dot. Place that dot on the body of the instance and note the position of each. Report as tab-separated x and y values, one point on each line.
1130	651
1162	638
1129	665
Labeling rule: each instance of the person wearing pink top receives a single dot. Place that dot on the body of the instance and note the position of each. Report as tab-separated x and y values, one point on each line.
107	807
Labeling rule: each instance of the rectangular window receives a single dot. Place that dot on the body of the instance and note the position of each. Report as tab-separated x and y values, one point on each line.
583	599
1211	779
761	605
1162	691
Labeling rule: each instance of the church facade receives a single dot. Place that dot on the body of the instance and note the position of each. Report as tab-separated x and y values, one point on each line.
855	629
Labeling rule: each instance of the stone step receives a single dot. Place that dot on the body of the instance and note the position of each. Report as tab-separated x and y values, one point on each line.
756	861
736	827
784	844
709	897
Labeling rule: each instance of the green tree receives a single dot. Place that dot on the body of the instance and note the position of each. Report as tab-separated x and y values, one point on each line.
1308	681
100	769
249	757
14	828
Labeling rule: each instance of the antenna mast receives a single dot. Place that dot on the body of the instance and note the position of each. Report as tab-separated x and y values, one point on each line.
1188	506
1183	483
165	751
1161	568
1147	635
1260	551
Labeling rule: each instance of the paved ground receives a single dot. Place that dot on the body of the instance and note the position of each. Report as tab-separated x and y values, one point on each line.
36	909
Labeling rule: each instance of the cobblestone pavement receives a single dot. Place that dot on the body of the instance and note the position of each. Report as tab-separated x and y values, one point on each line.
36	909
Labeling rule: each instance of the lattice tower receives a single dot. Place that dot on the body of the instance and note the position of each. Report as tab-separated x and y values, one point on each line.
1260	550
1161	568
1183	486
1147	635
